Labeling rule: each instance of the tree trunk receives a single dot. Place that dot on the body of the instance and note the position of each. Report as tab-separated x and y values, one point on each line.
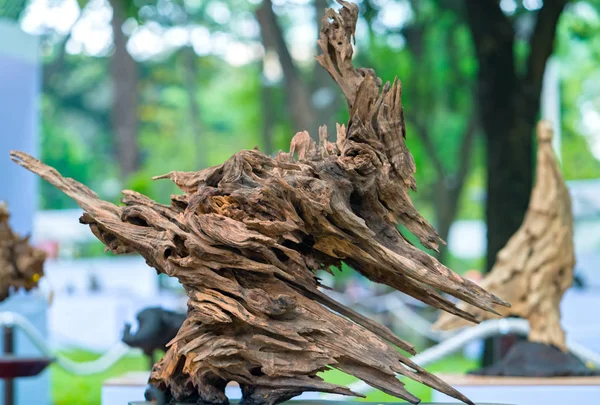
191	85
124	74
508	150
302	112
268	115
325	98
509	159
449	189
446	207
508	107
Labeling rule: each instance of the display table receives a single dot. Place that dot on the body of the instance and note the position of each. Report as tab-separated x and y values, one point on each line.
129	389
321	402
523	390
12	367
23	378
131	386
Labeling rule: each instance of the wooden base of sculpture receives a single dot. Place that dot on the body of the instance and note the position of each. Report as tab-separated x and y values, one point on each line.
251	395
213	392
531	359
316	403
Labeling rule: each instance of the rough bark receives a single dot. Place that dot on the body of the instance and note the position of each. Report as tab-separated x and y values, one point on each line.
535	267
124	74
21	265
246	238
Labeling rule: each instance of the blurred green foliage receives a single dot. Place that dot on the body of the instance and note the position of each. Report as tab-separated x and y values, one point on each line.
195	114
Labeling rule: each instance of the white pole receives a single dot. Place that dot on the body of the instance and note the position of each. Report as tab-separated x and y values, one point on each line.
19	117
19	97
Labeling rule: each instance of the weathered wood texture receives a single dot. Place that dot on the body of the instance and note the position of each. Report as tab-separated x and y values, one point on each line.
246	238
21	265
535	267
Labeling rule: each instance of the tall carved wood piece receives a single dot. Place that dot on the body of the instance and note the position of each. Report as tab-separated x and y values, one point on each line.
246	238
535	267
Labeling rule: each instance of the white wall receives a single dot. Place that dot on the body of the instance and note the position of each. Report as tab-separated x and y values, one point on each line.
95	320
127	275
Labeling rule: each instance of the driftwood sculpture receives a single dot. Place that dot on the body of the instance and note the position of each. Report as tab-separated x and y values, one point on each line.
534	270
246	238
21	265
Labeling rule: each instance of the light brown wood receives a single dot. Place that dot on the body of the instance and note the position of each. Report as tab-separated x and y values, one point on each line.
535	267
246	238
476	380
21	265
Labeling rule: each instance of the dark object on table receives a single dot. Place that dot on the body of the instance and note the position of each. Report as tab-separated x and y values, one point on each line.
531	359
156	328
579	281
246	238
15	367
155	396
21	265
12	367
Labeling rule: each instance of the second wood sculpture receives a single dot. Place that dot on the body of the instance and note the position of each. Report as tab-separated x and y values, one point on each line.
246	238
21	265
535	267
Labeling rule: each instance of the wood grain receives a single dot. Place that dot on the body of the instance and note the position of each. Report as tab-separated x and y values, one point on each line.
246	238
21	265
535	267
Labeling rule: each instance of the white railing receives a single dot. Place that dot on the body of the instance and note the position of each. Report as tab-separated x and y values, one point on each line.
106	361
449	346
482	331
393	303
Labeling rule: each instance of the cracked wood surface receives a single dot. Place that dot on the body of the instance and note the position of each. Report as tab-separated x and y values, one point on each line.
535	267
246	238
21	265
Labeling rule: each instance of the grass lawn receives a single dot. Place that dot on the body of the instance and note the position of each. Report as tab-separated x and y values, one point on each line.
450	365
68	389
